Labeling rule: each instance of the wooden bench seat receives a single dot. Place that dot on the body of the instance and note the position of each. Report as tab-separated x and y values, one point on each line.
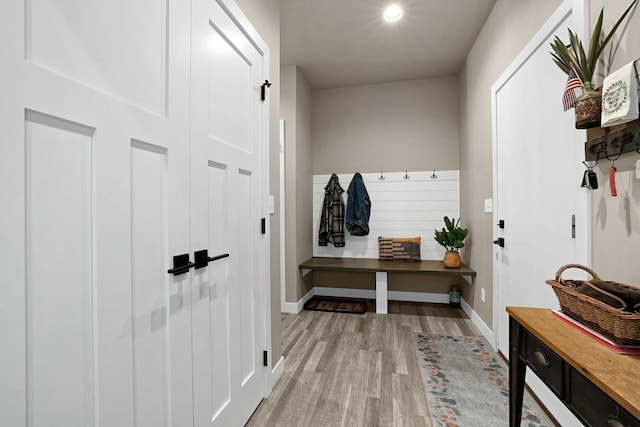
381	268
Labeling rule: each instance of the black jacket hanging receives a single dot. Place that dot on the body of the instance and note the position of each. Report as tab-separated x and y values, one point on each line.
332	218
358	207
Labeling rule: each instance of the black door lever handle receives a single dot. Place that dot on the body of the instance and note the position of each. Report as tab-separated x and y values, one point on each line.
181	264
202	258
217	257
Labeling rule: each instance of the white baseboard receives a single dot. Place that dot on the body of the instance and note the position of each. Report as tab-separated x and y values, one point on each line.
296	307
418	297
276	373
290	307
391	295
345	292
484	329
439	298
293	307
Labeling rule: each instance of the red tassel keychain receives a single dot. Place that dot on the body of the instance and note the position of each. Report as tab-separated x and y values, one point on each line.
612	180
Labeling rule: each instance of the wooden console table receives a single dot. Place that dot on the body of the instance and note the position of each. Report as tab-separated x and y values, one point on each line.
597	384
381	268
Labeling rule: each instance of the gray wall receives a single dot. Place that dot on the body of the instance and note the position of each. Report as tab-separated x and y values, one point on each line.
509	28
296	111
616	220
411	125
399	126
265	17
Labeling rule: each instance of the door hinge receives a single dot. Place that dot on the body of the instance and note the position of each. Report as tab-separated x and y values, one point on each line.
573	226
263	225
263	90
265	359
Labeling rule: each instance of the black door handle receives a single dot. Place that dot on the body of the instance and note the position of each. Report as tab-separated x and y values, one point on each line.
499	242
202	258
181	264
217	257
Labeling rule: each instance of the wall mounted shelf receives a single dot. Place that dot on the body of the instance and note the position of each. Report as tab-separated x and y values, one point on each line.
610	143
603	143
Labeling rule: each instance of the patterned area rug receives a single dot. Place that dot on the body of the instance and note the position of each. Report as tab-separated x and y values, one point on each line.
467	384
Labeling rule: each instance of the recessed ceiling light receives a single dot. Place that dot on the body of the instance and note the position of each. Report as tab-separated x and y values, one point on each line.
392	13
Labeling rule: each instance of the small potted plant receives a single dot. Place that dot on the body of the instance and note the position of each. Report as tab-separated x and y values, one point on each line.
575	62
451	238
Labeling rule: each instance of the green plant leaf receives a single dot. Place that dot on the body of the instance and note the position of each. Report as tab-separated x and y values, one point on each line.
451	236
595	41
613	30
575	57
568	55
583	60
448	223
561	64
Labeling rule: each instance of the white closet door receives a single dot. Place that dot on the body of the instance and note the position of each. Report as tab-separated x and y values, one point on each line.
228	157
94	162
538	170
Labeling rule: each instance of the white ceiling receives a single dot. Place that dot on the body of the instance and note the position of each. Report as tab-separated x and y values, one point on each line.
346	42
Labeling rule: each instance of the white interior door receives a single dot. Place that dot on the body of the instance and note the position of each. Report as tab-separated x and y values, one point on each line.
94	160
101	188
537	154
229	185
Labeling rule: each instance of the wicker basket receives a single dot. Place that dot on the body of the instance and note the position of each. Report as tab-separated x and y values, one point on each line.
621	327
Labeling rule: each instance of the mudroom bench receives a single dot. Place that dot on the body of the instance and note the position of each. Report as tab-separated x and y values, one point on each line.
381	268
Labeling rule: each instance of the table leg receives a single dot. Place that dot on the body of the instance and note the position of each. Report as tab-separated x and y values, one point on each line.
381	292
517	369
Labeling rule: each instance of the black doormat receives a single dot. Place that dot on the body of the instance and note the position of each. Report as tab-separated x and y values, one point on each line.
339	305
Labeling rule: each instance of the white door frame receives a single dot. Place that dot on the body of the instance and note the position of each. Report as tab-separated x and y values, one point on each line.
577	8
283	253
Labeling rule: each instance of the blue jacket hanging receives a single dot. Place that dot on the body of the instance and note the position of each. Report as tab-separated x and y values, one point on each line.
358	207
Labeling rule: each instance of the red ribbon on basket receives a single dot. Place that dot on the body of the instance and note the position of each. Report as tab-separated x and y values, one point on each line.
612	181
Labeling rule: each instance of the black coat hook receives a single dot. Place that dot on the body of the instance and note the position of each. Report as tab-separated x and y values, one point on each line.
584	162
406	175
263	90
433	175
619	154
381	176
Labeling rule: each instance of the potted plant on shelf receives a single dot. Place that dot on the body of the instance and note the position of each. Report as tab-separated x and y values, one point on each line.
572	57
451	238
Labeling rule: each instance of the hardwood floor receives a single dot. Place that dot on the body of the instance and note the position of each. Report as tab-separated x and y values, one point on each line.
355	370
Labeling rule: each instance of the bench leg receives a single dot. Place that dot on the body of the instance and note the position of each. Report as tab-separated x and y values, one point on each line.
381	292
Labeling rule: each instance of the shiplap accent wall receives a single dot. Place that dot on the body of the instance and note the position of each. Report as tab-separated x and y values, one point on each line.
399	208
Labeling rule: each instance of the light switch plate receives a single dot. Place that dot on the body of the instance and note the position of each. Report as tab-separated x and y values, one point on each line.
271	204
488	205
